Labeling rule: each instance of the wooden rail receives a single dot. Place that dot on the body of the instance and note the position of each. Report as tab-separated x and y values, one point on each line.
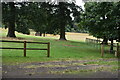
48	46
88	40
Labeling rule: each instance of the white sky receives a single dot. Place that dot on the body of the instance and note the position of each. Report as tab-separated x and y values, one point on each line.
80	3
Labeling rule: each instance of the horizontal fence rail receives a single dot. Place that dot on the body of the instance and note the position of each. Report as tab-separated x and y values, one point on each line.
88	40
93	42
23	48
24	42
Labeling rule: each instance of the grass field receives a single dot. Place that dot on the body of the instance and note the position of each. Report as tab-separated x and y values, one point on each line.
69	35
71	57
60	50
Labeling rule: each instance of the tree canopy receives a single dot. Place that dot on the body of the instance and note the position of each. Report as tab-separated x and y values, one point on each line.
101	19
43	17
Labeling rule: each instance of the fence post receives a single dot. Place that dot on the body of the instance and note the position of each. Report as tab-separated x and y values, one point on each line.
118	53
102	50
48	51
24	48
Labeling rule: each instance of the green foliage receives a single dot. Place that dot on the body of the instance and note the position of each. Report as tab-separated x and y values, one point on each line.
20	20
75	28
37	15
43	17
52	18
62	13
101	19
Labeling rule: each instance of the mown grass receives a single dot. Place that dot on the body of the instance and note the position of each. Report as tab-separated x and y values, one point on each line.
60	50
103	62
85	71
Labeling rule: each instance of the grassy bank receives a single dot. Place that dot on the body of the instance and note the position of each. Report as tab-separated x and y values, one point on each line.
60	50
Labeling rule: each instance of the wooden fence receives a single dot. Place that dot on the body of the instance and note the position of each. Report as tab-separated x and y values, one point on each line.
88	40
116	52
97	43
93	42
24	42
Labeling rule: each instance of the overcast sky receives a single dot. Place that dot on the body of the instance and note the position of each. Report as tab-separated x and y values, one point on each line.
80	3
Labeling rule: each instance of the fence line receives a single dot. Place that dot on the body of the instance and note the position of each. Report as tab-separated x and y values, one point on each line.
97	43
117	51
24	42
93	42
88	40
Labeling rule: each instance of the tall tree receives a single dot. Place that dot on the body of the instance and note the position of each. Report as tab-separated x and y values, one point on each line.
63	12
9	12
52	18
101	20
42	17
14	17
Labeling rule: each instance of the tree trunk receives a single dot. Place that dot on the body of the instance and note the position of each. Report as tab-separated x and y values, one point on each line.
119	34
40	33
62	21
111	47
62	33
11	27
119	39
11	30
105	41
44	34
